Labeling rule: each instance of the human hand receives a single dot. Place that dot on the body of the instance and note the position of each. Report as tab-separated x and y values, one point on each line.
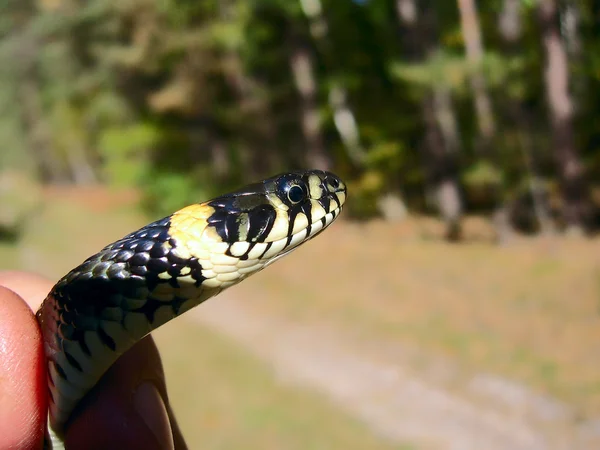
128	408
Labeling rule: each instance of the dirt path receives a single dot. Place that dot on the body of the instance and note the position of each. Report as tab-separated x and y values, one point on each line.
393	401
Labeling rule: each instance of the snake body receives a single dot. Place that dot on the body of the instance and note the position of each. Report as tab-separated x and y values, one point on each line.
114	298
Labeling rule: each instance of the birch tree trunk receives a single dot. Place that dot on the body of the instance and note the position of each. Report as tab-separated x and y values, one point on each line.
511	30
257	162
344	118
441	143
302	67
474	52
486	123
560	105
510	23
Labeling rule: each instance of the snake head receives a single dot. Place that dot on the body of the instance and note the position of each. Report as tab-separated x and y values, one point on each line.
242	232
278	208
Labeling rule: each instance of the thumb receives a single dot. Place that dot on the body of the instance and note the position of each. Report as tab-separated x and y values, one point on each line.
22	375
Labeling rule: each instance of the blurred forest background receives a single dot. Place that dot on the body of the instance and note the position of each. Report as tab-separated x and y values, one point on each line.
424	106
459	110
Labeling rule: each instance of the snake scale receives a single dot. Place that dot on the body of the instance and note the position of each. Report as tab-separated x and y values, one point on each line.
134	285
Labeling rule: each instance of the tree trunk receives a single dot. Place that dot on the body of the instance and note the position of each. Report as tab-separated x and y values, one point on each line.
556	77
571	18
511	30
474	52
260	159
345	123
219	157
343	116
302	66
471	31
442	145
82	170
441	142
510	22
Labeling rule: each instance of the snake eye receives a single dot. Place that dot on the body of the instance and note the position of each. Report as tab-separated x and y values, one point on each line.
333	182
296	193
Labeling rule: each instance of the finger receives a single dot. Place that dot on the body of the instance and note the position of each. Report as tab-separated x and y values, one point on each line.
141	362
31	287
22	375
128	408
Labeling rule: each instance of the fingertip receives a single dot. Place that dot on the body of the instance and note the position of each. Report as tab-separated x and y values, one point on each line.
33	288
111	415
23	398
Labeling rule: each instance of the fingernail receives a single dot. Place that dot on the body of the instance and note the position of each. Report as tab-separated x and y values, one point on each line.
151	408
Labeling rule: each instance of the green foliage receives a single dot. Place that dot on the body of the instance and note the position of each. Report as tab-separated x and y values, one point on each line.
20	197
167	192
365	192
482	182
202	96
126	153
383	161
454	71
385	157
482	173
441	68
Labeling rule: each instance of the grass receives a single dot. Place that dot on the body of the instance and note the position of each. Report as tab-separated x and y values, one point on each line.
223	397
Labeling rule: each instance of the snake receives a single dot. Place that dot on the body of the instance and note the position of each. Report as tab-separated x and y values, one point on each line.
102	307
